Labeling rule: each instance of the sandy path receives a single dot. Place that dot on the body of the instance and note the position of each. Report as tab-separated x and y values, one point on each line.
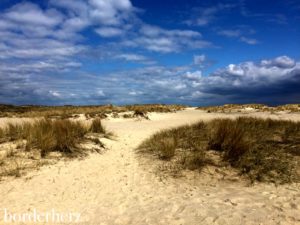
117	187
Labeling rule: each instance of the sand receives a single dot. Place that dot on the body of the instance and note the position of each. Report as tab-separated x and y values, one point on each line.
120	187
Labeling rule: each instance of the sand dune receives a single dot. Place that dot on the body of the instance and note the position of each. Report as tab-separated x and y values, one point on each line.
120	187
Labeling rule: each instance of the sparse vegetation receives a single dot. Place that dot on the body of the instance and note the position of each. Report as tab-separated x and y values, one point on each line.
262	150
45	136
244	108
69	111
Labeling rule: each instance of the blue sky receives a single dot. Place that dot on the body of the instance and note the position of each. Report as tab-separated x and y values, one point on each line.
79	52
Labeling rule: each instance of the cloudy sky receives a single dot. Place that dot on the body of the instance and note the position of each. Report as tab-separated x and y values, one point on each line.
58	52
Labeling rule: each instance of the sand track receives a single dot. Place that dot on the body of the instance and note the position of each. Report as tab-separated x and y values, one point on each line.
118	187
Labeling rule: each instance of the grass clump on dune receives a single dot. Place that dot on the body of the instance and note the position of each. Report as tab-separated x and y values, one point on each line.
96	126
261	149
183	143
30	144
58	135
48	135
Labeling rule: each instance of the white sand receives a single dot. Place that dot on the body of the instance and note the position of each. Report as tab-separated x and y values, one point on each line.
118	187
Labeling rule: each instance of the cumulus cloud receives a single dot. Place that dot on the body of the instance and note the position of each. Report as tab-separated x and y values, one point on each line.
265	81
281	61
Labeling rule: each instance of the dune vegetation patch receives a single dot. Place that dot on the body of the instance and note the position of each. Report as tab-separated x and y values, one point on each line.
263	150
30	145
245	108
69	111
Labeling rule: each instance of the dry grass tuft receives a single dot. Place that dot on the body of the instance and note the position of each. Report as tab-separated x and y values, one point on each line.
140	114
97	127
2	135
228	136
56	135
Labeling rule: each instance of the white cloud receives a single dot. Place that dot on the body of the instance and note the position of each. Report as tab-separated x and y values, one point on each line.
154	31
132	57
281	61
109	32
29	13
77	7
196	75
241	34
250	41
157	39
100	93
199	59
135	93
54	93
109	12
230	33
236	69
204	16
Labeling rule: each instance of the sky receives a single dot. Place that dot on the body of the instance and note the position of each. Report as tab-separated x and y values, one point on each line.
94	52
